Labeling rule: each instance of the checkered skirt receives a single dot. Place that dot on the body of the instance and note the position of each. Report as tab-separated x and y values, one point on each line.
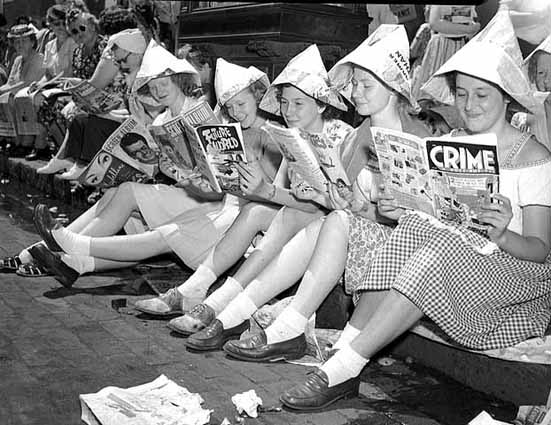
481	301
365	239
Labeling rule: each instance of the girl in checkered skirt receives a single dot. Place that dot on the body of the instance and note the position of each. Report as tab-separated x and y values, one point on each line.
484	292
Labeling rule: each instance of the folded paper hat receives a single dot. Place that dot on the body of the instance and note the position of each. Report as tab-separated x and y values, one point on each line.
544	46
385	53
22	30
230	79
492	55
307	73
130	40
158	62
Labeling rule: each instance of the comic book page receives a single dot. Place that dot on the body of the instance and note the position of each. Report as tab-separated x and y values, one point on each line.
328	155
221	147
92	100
464	172
404	166
300	155
129	154
7	122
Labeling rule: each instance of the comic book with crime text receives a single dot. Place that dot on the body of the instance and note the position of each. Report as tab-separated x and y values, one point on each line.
448	177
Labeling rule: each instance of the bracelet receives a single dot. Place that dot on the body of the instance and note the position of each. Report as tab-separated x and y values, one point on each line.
272	193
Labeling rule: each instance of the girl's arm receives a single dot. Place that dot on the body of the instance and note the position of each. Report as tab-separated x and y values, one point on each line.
440	25
535	241
104	74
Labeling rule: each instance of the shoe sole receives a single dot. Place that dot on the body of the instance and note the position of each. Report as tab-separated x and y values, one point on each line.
269	359
216	347
181	331
344	396
66	281
157	314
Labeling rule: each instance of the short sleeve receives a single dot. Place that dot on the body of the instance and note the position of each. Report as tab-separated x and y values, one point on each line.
363	185
534	185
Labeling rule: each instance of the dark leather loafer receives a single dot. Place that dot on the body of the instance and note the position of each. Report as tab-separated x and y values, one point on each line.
45	223
256	349
316	394
214	336
51	261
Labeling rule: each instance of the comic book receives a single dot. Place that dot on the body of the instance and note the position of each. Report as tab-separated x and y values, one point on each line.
91	99
129	154
447	177
26	122
177	158
311	155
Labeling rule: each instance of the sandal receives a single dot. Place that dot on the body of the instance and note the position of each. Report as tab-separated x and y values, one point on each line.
32	270
10	264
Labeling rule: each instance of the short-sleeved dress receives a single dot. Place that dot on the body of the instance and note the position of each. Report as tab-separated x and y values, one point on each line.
482	298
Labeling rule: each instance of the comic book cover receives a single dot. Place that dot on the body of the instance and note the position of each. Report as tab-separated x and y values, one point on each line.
312	156
177	160
92	100
217	148
129	154
448	177
26	123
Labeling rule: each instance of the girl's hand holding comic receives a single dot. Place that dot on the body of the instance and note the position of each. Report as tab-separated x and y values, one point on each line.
252	182
497	215
340	198
387	205
305	192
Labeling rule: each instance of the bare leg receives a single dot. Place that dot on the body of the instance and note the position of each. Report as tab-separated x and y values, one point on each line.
252	218
101	264
82	221
284	226
367	305
395	315
130	247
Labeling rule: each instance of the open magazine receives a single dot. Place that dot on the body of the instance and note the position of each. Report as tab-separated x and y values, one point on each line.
91	99
129	154
312	156
177	160
447	177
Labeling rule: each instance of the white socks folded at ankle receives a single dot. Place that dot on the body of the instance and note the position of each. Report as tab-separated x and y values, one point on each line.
198	283
347	335
241	308
72	243
221	298
344	365
288	325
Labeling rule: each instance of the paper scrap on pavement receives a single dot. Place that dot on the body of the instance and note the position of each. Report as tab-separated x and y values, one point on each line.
159	402
484	418
247	402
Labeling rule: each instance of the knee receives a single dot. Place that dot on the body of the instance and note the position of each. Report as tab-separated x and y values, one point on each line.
256	213
337	218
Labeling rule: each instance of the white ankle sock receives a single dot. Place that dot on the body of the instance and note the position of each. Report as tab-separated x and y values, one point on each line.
289	324
25	256
72	243
80	263
241	308
344	365
348	334
220	298
198	283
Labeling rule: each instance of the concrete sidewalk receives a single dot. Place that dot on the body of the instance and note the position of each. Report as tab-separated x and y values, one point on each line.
57	343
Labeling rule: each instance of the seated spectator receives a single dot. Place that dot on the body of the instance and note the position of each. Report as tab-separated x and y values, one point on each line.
87	132
4	47
27	68
144	12
485	291
116	19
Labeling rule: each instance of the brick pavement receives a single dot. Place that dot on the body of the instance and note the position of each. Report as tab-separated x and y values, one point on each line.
57	343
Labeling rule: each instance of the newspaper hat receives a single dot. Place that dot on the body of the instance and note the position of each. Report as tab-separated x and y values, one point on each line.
385	53
230	79
544	46
130	40
492	55
307	73
22	30
158	62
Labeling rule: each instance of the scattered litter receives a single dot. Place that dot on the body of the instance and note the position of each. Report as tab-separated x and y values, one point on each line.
225	422
409	360
262	409
239	419
386	361
161	401
247	402
484	418
53	210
